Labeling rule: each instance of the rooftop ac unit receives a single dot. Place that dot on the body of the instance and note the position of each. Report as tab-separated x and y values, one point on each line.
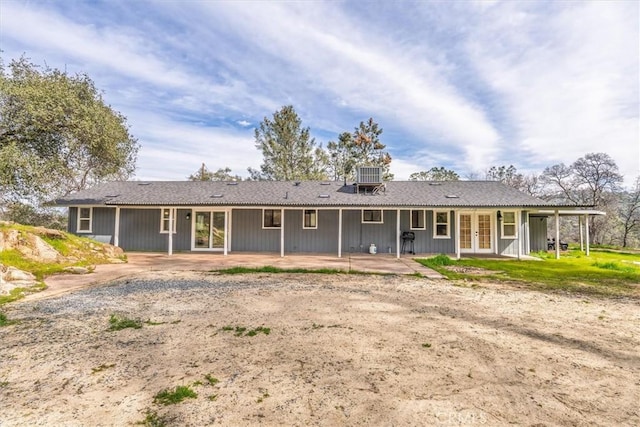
369	175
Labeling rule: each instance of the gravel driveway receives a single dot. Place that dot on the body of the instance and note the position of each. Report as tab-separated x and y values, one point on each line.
341	350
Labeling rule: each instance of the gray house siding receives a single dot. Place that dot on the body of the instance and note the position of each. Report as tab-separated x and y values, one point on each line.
538	233
357	237
424	242
101	224
509	246
140	231
324	239
248	234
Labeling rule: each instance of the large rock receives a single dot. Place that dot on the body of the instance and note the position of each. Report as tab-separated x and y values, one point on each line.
12	274
44	251
11	278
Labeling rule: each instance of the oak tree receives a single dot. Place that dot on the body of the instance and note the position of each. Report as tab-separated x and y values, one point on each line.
57	134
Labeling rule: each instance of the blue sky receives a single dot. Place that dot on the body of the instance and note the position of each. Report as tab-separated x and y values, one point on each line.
460	84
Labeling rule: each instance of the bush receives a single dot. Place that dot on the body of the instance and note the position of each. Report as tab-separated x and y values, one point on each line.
440	260
25	214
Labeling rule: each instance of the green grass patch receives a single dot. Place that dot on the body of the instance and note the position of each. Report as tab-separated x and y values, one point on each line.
426	345
240	331
18	293
117	323
612	265
211	379
14	258
177	395
4	320
270	269
152	419
602	273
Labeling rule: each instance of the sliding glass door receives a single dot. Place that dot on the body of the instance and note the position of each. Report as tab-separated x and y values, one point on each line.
209	230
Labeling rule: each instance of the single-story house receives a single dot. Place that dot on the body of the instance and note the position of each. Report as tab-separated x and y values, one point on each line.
422	217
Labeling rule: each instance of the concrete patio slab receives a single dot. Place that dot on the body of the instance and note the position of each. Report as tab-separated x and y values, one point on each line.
144	262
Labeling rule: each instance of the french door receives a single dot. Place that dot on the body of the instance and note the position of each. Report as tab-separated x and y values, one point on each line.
476	232
209	230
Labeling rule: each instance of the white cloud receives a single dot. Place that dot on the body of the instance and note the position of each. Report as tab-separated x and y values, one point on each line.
172	150
568	80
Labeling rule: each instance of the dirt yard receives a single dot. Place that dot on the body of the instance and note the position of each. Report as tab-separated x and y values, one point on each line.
341	350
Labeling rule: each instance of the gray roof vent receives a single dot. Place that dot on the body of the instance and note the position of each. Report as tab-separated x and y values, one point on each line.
324	196
216	196
435	183
144	183
232	183
112	195
325	183
452	196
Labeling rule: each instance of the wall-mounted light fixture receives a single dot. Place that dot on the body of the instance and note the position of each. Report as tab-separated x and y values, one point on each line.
499	216
188	217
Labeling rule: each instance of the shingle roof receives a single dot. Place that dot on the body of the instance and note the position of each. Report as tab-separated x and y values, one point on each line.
305	193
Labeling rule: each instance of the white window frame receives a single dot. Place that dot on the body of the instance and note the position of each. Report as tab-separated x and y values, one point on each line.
81	218
315	215
271	227
372	222
163	229
503	222
436	223
424	219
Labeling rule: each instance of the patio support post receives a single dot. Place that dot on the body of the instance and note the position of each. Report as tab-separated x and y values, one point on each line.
340	233
226	232
520	233
171	219
457	239
282	232
398	233
581	233
116	228
586	233
557	234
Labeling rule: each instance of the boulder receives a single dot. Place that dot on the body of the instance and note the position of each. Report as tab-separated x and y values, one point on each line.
77	270
13	274
11	278
44	251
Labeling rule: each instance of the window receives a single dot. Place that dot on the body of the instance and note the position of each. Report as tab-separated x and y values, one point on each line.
509	229
271	218
164	221
372	216
441	225
85	218
310	218
417	220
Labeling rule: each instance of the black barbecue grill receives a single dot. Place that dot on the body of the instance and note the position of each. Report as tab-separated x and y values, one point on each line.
408	237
